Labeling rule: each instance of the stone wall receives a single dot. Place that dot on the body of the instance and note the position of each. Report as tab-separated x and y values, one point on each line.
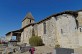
80	37
49	38
25	22
79	31
35	30
60	30
64	51
26	34
8	37
79	18
67	31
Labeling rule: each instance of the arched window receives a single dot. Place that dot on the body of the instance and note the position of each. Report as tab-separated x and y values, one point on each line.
44	25
61	31
30	21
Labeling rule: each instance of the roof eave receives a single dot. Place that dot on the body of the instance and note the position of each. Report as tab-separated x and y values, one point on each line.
74	13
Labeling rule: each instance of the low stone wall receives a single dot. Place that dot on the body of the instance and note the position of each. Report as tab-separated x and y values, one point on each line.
64	51
78	50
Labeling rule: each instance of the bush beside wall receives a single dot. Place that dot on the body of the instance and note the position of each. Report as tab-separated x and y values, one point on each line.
35	41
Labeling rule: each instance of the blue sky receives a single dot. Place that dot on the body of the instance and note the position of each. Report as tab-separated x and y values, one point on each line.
13	11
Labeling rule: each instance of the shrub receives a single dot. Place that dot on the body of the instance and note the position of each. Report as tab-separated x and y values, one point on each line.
35	41
57	46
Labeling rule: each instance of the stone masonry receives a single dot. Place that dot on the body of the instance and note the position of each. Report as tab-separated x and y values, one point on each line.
64	29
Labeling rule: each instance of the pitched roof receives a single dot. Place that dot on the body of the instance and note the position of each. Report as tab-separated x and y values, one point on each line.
74	13
29	16
20	30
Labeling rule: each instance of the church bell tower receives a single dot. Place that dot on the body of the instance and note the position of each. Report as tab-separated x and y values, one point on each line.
27	20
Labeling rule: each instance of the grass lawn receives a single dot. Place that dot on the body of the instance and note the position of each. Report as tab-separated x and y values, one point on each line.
1	45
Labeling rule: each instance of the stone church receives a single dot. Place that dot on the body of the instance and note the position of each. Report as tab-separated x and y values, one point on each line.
64	29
